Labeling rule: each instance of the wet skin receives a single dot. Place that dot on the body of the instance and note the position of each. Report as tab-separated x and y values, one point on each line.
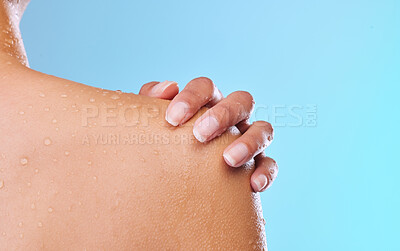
84	168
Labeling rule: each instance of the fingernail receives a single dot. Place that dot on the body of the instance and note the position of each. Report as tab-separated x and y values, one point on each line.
203	130
260	182
176	113
160	87
236	154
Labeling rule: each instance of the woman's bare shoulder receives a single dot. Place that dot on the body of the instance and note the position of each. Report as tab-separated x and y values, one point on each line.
99	168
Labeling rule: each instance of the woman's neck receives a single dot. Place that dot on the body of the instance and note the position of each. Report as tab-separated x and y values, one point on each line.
11	46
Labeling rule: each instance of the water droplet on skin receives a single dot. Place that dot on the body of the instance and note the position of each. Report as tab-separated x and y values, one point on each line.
33	206
64	108
4	233
50	210
40	224
156	152
104	151
79	203
47	141
29	184
96	215
46	109
271	171
64	95
92	100
36	170
20	224
114	97
21	236
89	162
24	161
21	112
1	184
42	95
30	106
54	121
95	178
67	153
57	128
54	160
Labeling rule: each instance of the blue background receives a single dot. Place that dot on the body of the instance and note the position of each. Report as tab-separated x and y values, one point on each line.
338	183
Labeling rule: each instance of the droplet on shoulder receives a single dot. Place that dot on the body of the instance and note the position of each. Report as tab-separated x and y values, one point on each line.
115	97
47	141
23	161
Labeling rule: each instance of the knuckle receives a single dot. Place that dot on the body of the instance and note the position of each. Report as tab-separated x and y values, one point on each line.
244	95
272	168
266	126
201	87
204	81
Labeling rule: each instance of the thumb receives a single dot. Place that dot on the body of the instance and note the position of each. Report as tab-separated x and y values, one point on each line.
164	90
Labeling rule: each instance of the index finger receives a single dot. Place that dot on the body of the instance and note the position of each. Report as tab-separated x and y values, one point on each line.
197	93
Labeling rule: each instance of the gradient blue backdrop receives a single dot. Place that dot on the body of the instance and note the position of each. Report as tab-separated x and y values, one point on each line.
338	183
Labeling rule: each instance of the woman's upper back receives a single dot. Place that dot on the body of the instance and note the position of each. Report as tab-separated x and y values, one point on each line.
83	167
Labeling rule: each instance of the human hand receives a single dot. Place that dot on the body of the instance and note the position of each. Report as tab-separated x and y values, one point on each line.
234	110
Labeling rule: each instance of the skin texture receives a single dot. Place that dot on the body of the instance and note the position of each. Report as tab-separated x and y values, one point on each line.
86	168
234	110
63	190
